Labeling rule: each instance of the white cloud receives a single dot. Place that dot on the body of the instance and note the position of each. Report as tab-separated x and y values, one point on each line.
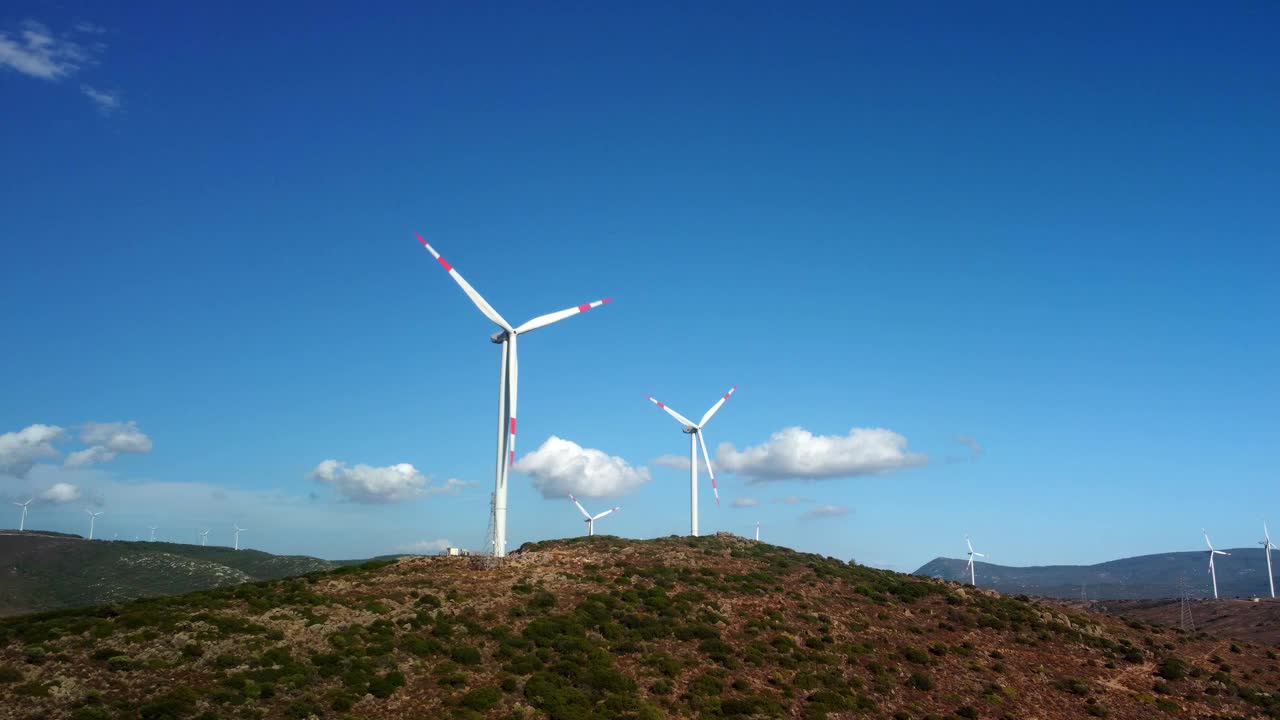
36	52
826	511
561	467
61	492
679	462
106	441
368	484
745	502
106	101
20	450
797	453
427	547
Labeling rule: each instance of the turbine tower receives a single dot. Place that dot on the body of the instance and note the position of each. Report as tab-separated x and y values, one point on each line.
694	431
238	531
204	538
153	530
508	386
973	578
22	524
1267	547
591	519
757	531
1212	572
92	517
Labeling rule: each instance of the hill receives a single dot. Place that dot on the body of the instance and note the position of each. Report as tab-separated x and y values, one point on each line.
597	627
47	571
1254	620
1243	574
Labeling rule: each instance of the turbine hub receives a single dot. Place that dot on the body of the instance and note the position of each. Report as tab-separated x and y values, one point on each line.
690	430
499	337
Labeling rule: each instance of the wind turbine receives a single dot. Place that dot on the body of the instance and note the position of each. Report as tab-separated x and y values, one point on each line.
1267	547
22	524
973	578
757	531
92	517
694	431
591	519
153	530
508	386
1212	572
204	537
238	531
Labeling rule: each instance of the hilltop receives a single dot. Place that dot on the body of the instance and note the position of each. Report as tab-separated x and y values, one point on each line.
49	571
598	627
1243	574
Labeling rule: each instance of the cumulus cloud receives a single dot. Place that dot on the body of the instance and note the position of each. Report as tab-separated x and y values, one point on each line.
826	511
61	493
20	450
745	502
679	462
561	467
427	547
108	440
797	453
368	484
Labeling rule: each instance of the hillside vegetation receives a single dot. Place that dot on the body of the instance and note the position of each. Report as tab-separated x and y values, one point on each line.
713	627
47	571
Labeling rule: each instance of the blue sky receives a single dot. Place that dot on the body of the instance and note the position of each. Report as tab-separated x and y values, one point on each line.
1050	230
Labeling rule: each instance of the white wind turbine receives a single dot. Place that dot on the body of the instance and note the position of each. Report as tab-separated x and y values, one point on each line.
153	529
238	531
1213	572
591	519
757	531
508	386
22	524
1267	547
92	517
204	537
694	431
973	578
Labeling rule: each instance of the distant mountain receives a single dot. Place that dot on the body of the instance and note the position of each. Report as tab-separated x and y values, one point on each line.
1242	574
48	571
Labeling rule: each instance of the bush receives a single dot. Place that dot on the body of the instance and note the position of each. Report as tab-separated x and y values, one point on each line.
915	655
1075	686
1171	668
9	674
482	699
920	681
465	655
968	712
384	686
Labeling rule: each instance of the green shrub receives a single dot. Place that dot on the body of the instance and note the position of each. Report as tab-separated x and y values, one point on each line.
1172	668
384	686
89	713
482	699
1075	686
920	681
9	674
915	655
968	712
465	655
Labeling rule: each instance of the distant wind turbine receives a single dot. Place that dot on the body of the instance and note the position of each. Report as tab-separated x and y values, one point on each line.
1267	547
238	531
694	431
92	517
591	519
757	531
973	578
204	537
1212	572
22	524
153	530
508	385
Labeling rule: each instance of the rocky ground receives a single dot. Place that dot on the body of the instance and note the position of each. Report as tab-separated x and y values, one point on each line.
715	627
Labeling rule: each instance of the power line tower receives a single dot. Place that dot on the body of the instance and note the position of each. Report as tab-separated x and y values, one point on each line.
1084	592
490	540
1188	622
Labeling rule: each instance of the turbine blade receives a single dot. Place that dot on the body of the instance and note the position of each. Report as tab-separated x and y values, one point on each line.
715	408
978	554
585	514
476	298
710	473
679	418
545	320
610	511
969	543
